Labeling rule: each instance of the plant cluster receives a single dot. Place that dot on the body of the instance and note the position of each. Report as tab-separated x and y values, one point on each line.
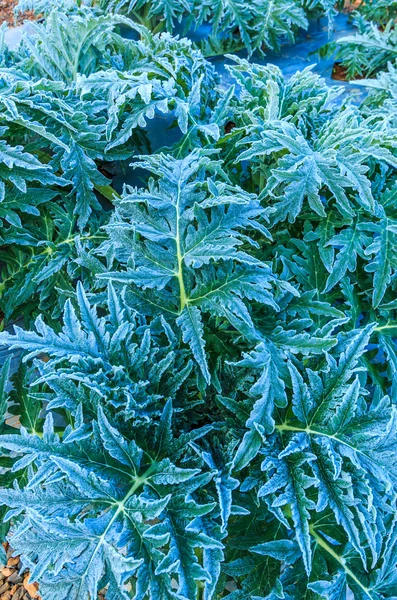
380	11
369	51
74	103
366	52
234	25
207	395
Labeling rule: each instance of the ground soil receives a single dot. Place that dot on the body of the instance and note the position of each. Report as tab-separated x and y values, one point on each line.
352	5
7	13
339	73
14	582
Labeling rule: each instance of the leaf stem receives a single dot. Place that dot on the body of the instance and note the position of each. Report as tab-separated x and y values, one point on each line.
387	326
340	559
139	481
43	253
309	431
179	273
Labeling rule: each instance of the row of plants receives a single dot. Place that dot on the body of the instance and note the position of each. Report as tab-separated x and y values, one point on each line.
255	26
373	46
206	402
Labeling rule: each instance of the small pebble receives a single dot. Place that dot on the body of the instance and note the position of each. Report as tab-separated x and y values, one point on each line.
31	588
18	594
4	588
15	578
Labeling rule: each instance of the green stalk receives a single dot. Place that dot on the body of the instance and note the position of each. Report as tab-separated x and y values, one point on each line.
179	273
340	559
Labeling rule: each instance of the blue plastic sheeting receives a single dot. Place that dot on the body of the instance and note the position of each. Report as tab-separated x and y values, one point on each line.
293	57
297	56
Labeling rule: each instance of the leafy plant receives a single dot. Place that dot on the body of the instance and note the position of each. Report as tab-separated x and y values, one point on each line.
44	7
381	94
379	11
186	259
257	26
70	117
122	507
206	406
366	52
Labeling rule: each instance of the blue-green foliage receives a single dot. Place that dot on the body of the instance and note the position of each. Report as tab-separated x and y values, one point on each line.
95	353
257	26
130	501
67	126
184	235
206	406
373	46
